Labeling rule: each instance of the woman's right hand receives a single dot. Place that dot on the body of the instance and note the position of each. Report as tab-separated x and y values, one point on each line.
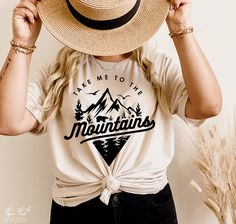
26	23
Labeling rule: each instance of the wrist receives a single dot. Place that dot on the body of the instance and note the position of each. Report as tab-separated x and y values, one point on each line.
178	42
22	48
181	33
185	43
178	26
26	42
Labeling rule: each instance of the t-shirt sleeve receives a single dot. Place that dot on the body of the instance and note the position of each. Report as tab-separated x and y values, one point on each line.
36	96
175	89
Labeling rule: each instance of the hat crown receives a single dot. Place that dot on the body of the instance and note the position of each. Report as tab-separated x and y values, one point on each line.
103	4
103	9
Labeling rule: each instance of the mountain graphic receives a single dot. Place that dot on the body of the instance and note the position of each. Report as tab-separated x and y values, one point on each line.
107	109
106	104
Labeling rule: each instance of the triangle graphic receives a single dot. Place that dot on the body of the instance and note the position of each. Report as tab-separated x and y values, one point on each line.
107	109
110	147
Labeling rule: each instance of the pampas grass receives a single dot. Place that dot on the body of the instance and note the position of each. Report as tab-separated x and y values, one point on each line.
216	162
231	174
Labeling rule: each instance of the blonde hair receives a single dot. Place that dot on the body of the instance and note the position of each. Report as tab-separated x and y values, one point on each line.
62	71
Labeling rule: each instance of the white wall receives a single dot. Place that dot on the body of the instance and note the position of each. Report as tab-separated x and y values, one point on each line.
24	160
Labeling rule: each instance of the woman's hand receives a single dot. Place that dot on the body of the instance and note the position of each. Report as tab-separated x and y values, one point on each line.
179	16
26	23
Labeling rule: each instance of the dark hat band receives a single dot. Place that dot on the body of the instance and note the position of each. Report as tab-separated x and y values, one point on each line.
104	24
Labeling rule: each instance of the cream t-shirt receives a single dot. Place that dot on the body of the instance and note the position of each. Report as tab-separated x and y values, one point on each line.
110	133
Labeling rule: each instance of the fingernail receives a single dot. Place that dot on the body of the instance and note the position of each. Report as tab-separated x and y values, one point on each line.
176	6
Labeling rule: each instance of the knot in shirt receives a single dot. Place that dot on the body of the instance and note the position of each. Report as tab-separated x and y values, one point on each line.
110	185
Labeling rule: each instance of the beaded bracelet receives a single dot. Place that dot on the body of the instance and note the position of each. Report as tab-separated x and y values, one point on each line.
181	33
20	48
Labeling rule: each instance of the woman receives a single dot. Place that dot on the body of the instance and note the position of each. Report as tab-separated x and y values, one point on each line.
107	109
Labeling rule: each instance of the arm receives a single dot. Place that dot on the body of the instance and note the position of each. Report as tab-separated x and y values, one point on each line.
14	118
204	93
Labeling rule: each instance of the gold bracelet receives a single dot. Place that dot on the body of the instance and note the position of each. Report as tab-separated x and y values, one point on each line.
181	33
20	48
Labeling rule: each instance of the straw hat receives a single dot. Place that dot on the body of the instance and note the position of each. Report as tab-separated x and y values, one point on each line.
103	27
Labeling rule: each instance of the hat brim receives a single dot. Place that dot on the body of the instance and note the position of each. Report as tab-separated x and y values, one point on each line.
63	26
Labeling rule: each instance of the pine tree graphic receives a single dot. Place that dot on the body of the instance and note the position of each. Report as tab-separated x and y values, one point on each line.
79	113
138	111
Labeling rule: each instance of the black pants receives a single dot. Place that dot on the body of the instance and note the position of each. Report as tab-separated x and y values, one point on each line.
123	208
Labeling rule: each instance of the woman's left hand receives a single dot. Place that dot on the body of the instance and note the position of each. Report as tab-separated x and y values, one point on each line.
179	16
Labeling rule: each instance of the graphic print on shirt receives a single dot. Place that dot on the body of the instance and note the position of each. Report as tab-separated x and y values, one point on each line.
108	123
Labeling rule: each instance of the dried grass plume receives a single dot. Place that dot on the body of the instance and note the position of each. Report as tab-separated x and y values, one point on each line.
216	162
